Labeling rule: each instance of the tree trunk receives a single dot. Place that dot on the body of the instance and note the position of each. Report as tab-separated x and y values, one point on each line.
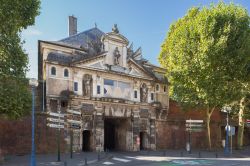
241	124
209	113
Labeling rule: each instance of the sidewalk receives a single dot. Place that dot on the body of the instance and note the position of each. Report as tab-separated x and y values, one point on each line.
92	158
51	159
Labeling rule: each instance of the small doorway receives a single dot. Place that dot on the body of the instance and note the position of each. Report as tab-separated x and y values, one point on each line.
142	140
86	140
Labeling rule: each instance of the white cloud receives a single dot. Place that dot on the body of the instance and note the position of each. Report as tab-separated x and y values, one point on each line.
32	32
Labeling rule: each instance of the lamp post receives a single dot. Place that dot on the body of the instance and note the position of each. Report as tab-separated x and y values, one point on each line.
226	144
227	109
189	137
33	83
58	136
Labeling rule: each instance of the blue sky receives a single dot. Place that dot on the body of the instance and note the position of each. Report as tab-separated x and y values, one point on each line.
143	22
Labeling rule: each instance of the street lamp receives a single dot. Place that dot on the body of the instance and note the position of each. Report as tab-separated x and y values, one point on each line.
59	134
227	110
33	83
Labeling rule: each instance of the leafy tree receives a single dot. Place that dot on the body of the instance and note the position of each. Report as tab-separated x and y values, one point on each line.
206	54
15	16
244	108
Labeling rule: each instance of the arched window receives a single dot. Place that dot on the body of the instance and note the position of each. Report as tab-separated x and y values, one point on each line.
53	71
66	73
157	87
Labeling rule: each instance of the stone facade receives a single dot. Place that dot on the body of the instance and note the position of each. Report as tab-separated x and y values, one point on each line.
109	96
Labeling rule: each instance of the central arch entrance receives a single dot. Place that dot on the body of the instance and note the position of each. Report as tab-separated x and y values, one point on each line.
86	140
115	134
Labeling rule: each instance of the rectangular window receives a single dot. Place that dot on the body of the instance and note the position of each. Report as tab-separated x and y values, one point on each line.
152	96
98	89
135	94
108	82
75	86
165	88
117	89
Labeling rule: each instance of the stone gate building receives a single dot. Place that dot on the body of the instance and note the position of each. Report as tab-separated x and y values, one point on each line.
109	96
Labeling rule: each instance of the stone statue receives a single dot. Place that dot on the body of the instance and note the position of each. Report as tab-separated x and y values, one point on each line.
144	93
87	80
117	56
115	29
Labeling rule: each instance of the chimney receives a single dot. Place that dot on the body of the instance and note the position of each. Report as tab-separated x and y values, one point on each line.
72	25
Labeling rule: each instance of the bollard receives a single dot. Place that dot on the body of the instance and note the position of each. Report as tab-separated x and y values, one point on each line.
216	155
98	157
106	152
86	162
181	154
65	163
199	154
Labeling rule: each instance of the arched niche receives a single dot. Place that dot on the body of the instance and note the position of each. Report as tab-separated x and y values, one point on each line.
144	92
87	85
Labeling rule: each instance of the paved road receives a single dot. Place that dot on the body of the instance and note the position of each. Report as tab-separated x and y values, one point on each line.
143	158
152	160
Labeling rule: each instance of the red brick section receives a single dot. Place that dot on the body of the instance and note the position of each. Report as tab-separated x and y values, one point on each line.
15	136
171	134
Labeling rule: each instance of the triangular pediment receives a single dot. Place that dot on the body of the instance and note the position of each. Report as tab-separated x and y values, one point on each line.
116	37
96	63
138	72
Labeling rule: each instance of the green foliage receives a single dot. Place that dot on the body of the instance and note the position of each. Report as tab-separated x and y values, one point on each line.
15	16
15	97
207	55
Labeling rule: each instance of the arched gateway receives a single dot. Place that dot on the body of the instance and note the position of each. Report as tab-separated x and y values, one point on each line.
113	101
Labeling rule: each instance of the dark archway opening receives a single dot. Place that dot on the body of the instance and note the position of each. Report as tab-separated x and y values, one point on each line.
109	134
142	140
115	134
86	140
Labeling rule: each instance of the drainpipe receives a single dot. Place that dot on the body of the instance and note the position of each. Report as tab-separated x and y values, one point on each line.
132	130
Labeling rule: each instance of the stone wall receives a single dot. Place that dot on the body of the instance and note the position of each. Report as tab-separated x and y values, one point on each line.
15	136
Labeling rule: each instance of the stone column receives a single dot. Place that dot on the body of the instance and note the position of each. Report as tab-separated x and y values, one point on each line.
152	137
76	140
99	130
136	131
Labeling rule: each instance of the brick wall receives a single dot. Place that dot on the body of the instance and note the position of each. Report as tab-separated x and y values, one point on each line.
15	136
171	133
